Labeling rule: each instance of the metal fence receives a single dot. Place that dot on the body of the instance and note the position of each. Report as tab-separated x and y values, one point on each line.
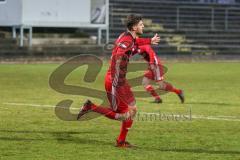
207	18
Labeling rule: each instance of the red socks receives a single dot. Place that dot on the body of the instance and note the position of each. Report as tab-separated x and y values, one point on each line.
104	111
126	125
151	90
170	88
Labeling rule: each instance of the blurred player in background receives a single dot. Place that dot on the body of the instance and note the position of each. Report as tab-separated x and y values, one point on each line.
122	102
155	73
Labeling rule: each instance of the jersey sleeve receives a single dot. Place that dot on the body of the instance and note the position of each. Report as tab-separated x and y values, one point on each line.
148	52
143	41
119	71
120	59
152	55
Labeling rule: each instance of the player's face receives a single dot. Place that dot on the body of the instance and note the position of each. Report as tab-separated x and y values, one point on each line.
139	27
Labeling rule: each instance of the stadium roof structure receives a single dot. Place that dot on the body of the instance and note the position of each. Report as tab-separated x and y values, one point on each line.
26	14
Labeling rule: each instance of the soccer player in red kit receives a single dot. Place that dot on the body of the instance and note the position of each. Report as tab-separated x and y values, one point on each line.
122	102
155	73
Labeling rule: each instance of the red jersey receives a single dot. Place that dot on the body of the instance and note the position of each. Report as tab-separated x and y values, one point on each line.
125	47
149	54
155	72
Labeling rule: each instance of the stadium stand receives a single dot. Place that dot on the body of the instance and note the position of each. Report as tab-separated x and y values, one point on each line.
185	26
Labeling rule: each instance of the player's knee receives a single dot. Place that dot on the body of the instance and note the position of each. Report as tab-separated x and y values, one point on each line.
122	116
128	115
133	103
145	82
161	84
133	112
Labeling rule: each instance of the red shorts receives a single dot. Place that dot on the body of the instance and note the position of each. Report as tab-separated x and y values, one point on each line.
158	76
119	97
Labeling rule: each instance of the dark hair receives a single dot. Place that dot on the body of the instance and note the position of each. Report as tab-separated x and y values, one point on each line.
132	20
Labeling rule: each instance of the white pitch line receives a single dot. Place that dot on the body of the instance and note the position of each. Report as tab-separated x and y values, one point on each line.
215	118
221	117
229	118
37	105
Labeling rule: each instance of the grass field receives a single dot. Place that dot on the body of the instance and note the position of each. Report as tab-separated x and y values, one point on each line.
29	128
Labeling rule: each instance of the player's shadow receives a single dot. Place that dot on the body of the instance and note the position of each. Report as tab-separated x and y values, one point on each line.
60	140
66	137
60	136
197	150
213	103
83	140
205	103
46	132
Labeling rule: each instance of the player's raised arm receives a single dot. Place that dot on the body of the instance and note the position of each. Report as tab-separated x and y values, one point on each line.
155	40
143	41
147	41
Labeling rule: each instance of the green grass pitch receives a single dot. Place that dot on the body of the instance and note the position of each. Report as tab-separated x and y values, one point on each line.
29	128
